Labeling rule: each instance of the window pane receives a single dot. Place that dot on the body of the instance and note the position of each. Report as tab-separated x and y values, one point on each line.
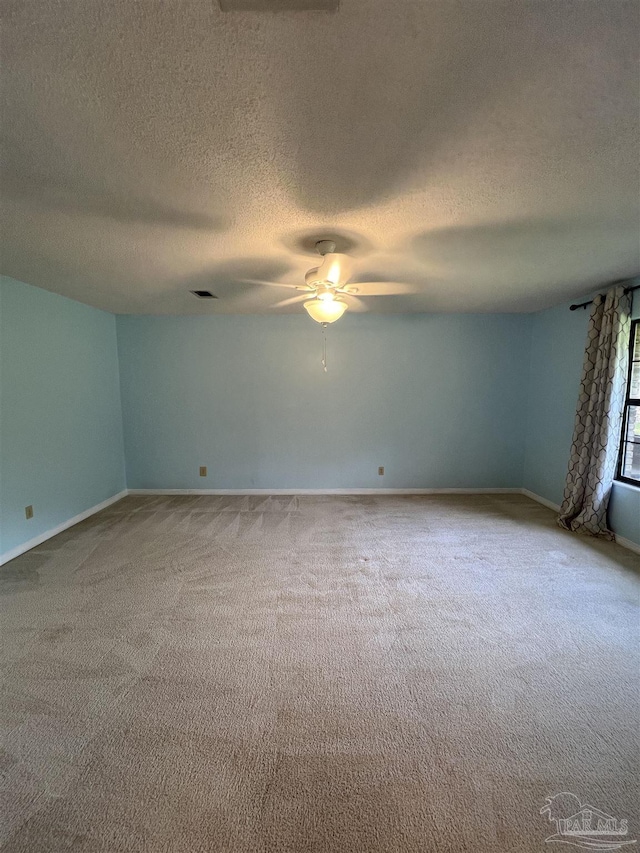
635	378
631	445
635	365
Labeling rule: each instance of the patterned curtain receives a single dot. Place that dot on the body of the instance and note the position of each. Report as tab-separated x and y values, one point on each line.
596	433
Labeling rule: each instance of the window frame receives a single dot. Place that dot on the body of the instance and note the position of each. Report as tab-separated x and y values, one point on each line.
628	402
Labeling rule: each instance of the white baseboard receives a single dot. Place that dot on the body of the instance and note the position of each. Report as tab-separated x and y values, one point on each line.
621	540
42	537
324	491
627	543
539	499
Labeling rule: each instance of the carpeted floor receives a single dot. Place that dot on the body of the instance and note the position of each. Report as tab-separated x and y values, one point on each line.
326	674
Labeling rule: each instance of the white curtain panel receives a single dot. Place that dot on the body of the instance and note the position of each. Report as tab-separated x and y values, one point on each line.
596	434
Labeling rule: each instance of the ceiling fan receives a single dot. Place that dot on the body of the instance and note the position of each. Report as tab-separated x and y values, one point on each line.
326	293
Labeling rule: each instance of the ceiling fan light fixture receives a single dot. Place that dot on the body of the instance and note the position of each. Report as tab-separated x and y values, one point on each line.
325	310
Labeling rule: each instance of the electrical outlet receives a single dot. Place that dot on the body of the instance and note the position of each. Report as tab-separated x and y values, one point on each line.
203	470
28	511
381	470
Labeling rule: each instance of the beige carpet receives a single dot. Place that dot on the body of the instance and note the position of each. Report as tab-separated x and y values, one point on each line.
340	675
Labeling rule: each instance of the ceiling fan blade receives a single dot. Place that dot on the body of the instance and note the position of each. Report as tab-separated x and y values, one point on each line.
273	283
292	300
335	268
355	304
380	288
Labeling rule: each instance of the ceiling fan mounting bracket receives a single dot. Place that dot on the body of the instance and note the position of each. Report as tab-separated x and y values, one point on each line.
325	247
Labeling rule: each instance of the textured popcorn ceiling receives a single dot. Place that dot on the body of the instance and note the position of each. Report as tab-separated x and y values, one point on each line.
486	152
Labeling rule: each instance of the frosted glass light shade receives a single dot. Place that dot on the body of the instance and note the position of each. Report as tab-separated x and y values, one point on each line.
325	310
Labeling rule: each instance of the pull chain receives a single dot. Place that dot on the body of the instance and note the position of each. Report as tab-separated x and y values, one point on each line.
324	347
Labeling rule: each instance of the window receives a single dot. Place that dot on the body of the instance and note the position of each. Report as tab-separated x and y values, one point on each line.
629	465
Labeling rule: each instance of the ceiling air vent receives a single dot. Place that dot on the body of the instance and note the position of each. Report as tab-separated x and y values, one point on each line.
203	294
279	5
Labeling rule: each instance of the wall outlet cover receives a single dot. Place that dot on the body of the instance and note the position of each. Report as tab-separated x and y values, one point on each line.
381	470
28	511
203	470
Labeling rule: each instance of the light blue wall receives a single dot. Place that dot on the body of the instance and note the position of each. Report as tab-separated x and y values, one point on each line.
61	446
442	401
437	399
624	511
558	338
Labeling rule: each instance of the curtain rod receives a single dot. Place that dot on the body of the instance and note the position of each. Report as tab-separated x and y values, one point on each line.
613	283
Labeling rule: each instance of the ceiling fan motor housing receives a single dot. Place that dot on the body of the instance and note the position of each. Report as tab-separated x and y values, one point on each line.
325	247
